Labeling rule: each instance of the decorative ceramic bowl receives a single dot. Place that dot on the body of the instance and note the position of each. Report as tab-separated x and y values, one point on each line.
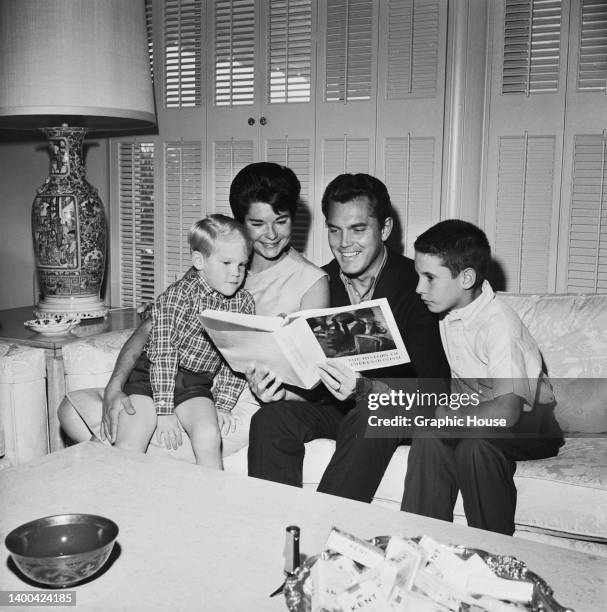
52	326
298	587
64	549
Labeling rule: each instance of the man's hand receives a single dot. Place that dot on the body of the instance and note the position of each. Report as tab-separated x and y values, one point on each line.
168	432
339	378
265	385
114	402
227	422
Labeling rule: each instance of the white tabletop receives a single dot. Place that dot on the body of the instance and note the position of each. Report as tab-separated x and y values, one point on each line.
195	539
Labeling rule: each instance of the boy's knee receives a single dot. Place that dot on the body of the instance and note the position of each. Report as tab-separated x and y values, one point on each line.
65	411
206	436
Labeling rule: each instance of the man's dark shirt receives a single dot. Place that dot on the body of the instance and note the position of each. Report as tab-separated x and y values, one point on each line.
418	327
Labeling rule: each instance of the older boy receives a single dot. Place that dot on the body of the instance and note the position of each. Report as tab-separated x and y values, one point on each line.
493	356
174	374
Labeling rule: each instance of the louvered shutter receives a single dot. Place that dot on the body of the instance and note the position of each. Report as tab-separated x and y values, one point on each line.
289	51
182	60
342	155
592	56
234	47
136	212
524	211
409	168
229	156
296	154
587	257
349	50
149	30
183	204
532	35
413	46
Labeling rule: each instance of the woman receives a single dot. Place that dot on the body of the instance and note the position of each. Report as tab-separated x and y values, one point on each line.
264	198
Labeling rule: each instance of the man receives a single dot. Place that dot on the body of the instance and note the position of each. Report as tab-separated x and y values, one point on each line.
357	211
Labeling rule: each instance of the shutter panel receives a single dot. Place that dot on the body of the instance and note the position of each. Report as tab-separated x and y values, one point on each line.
182	65
413	43
183	204
592	57
532	36
342	155
136	212
349	50
587	260
289	51
296	154
149	29
229	157
234	45
410	182
524	211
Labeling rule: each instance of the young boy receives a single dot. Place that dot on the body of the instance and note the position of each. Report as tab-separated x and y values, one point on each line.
492	355
174	374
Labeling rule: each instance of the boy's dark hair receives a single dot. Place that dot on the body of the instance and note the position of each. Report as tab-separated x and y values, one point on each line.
264	182
347	187
459	244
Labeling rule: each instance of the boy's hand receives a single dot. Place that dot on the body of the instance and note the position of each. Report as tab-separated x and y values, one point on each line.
114	402
168	431
339	378
227	422
265	385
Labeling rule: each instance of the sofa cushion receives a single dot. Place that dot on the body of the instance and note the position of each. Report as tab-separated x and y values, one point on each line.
571	331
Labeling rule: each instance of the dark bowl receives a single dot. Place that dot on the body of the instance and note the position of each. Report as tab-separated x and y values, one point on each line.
64	549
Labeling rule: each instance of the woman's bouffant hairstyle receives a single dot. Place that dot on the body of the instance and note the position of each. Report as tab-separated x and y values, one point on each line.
459	245
265	182
204	233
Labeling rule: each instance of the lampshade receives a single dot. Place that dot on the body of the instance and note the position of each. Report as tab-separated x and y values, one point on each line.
81	62
68	66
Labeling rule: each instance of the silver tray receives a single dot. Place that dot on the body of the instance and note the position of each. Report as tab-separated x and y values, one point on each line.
298	599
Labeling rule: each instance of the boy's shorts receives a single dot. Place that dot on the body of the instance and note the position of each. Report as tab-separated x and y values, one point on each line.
187	384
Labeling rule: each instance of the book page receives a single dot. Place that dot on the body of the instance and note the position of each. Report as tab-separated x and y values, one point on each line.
365	336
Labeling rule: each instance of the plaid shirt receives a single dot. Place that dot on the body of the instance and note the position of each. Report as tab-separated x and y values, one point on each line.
178	339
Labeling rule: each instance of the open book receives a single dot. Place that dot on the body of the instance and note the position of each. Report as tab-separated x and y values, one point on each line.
364	336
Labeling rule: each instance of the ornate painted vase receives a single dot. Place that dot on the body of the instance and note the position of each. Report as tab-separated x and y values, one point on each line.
69	232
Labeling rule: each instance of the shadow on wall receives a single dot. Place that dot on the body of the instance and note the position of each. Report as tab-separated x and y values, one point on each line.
496	276
301	227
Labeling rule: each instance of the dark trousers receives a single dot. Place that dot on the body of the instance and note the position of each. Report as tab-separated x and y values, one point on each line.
276	447
483	469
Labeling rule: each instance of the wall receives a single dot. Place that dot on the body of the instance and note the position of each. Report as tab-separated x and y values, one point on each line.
23	168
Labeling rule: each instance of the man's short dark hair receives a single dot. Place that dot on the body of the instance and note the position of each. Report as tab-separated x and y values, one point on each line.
459	245
347	187
265	182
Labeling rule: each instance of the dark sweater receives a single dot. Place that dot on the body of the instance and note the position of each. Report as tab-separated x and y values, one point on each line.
417	326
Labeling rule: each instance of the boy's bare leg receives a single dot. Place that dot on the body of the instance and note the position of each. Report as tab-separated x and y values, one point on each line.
72	424
198	417
135	430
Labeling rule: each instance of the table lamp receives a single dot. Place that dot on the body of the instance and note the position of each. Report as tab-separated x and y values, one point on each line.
67	67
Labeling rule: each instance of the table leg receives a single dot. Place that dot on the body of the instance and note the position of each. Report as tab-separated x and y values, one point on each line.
55	380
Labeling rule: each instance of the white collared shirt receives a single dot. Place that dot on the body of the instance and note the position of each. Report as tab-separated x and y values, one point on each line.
491	352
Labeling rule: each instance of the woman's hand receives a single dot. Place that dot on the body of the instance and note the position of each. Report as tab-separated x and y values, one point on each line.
265	385
339	378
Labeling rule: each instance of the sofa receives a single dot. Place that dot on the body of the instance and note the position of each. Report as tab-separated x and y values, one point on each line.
562	500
